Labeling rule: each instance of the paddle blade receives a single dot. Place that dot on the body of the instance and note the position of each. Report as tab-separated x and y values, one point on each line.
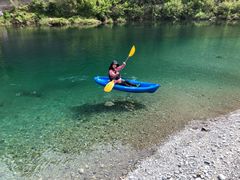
109	86
132	51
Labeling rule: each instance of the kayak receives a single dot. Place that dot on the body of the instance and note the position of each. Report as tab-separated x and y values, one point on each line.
143	87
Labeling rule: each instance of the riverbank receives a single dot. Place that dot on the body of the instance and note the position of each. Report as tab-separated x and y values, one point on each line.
203	150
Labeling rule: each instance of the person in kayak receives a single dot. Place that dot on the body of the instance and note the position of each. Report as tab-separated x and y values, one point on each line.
113	74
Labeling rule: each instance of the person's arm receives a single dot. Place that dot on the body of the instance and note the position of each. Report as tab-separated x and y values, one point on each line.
119	68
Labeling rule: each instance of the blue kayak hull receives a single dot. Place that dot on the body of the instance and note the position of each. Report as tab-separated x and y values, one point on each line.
145	87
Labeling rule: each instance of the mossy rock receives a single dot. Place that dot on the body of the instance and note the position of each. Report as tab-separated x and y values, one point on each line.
54	22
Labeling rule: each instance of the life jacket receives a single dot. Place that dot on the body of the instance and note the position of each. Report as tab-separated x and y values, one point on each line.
115	78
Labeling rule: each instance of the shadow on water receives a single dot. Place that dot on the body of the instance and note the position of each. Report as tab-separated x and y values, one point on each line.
116	106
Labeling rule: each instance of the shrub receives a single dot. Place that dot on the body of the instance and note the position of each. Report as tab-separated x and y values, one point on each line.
202	16
120	21
173	9
66	8
102	10
86	8
51	9
135	12
7	15
157	11
38	6
224	9
54	22
117	11
23	18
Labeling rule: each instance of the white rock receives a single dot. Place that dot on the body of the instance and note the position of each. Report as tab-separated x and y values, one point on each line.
221	177
81	171
109	104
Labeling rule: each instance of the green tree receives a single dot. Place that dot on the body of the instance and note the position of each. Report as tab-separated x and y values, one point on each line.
173	9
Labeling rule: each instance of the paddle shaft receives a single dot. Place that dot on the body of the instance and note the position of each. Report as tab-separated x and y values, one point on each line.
126	59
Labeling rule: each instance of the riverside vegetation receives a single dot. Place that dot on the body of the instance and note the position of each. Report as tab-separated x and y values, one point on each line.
95	12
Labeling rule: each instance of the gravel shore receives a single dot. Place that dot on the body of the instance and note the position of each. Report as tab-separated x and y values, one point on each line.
203	150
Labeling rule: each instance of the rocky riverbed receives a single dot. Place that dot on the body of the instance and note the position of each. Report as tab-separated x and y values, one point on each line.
203	150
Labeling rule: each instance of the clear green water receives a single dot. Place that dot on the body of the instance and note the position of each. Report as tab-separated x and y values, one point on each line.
48	99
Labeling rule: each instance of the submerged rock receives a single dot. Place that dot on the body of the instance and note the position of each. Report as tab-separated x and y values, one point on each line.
18	94
109	104
115	120
219	57
29	94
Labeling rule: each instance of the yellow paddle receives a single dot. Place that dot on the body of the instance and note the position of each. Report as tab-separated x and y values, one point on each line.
110	85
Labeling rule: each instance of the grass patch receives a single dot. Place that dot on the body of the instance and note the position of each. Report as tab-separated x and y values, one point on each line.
46	21
83	21
58	22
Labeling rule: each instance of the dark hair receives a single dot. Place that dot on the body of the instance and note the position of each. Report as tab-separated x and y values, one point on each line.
111	65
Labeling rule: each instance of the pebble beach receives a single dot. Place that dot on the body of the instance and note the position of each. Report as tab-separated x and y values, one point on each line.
203	150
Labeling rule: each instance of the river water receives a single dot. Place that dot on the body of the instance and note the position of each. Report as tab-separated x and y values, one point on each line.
53	121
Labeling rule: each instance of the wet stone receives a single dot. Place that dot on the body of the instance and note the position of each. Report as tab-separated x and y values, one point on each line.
205	129
206	162
109	104
81	171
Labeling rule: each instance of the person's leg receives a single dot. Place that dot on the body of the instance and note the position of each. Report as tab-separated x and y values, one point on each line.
127	83
130	84
124	83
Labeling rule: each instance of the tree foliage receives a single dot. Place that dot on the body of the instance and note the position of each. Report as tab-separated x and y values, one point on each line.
138	9
131	10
